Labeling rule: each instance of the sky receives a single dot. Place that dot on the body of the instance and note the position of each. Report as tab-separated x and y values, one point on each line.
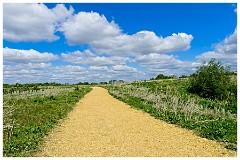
79	42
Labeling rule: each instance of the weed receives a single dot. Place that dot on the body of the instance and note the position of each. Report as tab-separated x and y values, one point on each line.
27	119
169	100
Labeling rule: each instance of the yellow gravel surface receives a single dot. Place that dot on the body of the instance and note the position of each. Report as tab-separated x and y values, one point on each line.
102	126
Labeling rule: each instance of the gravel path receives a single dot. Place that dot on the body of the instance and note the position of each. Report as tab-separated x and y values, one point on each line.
101	126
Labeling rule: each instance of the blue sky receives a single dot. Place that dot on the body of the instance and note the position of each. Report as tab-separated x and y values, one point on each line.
69	43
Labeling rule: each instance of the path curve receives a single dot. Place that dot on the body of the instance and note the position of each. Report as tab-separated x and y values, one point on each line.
102	126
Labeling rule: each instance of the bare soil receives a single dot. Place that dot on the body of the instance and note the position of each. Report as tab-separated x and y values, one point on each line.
102	126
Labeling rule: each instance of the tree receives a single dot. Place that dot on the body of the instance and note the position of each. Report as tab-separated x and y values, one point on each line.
172	77
112	81
183	76
103	83
161	76
121	81
211	81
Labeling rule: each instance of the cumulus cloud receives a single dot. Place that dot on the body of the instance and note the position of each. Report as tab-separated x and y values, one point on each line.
159	60
98	68
70	69
88	58
165	64
21	73
27	56
62	13
35	66
86	27
124	68
143	42
225	51
32	21
39	72
26	73
106	37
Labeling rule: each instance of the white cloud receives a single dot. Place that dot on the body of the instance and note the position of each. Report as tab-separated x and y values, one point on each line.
26	73
107	38
69	69
36	66
39	72
88	58
124	68
32	21
62	13
165	64
27	56
98	68
86	27
225	51
143	42
159	61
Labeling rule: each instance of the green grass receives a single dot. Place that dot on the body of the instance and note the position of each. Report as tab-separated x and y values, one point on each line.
169	100
27	120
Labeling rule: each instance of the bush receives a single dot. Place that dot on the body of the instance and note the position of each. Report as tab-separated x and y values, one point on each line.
161	76
212	81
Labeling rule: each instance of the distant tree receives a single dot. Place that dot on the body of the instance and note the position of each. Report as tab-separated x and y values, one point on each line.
160	76
6	85
86	83
103	83
183	76
112	81
121	81
173	77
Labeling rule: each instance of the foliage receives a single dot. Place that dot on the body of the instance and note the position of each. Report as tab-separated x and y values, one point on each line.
183	76
161	76
83	83
103	83
213	81
27	119
170	101
31	84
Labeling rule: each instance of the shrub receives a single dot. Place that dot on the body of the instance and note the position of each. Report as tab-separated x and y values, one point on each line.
212	81
161	76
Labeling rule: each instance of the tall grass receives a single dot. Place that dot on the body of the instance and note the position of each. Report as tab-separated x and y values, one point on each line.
28	117
169	101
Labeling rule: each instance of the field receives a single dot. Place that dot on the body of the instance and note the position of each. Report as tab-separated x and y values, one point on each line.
103	126
169	100
29	112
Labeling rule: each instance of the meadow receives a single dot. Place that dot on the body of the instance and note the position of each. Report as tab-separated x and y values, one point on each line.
31	111
169	100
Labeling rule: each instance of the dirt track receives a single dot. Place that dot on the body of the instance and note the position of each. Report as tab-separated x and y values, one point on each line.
101	126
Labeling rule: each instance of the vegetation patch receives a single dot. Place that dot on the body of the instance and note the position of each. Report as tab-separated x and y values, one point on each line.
169	100
27	118
213	81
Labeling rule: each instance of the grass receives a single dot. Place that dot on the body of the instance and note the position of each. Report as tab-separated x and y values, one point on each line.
28	119
169	100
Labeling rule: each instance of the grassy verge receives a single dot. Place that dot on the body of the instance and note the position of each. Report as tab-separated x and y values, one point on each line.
27	120
169	101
